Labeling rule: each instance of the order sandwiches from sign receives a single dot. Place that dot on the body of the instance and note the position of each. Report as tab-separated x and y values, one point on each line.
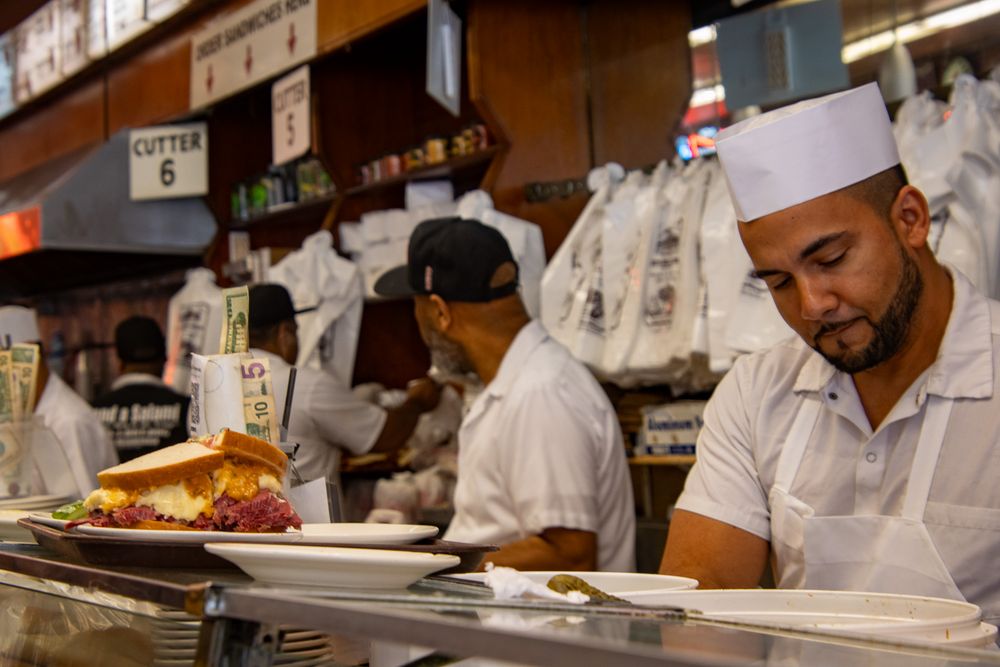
229	482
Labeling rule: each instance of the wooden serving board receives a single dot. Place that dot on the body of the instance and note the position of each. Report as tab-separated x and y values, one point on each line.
111	551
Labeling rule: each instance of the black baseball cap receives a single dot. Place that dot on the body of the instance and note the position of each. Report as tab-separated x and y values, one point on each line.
139	340
270	304
454	258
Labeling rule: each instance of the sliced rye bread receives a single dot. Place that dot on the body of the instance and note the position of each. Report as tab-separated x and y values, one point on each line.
164	466
252	450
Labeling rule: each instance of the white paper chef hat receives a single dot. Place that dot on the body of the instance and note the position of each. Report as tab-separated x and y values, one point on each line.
20	323
806	150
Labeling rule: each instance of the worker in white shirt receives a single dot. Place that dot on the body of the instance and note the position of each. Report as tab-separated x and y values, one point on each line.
326	416
76	426
541	465
863	455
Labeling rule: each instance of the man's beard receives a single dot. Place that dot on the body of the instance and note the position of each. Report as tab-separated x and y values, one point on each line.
448	359
889	332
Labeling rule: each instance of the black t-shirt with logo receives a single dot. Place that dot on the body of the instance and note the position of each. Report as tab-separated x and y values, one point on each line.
142	417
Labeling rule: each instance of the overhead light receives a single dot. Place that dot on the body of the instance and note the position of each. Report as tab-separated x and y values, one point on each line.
911	32
705	35
883	41
708	95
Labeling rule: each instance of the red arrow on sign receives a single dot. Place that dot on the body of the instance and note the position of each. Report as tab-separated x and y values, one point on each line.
209	79
291	38
248	63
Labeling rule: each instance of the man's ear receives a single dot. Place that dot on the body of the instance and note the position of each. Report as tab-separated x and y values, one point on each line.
441	313
911	216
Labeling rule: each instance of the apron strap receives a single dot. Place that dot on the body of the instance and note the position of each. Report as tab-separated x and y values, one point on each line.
925	459
794	447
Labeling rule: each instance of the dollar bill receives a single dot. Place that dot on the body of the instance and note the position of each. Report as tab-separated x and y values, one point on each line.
259	409
235	336
24	370
6	387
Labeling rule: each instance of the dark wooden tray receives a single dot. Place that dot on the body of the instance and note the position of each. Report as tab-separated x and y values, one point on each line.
111	551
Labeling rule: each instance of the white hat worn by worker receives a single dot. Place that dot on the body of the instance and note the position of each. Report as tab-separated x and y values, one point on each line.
20	324
797	153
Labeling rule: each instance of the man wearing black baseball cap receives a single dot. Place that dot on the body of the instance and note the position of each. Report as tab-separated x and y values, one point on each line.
326	416
542	467
140	412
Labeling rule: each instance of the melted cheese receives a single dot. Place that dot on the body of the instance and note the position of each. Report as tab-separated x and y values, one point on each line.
108	500
242	481
174	500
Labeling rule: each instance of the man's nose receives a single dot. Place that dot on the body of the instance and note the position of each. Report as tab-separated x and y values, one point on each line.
816	299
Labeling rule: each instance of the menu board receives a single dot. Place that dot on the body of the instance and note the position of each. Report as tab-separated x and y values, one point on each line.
73	35
97	29
126	19
39	53
7	48
157	10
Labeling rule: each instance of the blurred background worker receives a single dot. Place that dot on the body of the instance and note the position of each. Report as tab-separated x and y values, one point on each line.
326	416
83	439
541	464
141	412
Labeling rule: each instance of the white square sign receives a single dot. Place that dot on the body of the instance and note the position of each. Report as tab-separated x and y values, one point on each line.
168	161
291	134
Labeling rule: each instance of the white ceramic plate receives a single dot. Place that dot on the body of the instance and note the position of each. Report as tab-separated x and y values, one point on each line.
911	617
187	536
338	567
620	584
34	502
364	533
46	519
311	533
9	530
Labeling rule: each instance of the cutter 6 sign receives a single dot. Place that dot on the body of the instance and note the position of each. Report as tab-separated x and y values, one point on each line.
168	161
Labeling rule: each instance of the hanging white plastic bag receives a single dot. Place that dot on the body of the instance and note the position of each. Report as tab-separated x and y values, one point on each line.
194	322
317	277
670	282
566	288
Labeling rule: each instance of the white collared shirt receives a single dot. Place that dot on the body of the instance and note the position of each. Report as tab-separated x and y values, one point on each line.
326	417
849	470
83	438
541	448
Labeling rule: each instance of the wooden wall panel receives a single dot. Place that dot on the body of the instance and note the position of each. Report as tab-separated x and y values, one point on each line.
640	82
152	87
527	72
71	122
339	22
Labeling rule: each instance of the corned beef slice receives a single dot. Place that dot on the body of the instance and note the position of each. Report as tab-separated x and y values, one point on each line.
264	512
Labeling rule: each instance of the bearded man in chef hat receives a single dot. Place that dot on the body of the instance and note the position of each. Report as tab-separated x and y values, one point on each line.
862	454
82	437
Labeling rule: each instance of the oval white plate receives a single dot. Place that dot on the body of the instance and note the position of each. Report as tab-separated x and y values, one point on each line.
187	536
621	584
926	619
10	531
46	519
338	567
34	502
364	533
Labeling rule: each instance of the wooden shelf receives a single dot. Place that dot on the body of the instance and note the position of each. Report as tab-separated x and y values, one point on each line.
663	460
445	169
289	213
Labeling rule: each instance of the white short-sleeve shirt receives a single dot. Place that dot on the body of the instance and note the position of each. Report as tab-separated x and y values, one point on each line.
541	448
81	434
326	417
849	470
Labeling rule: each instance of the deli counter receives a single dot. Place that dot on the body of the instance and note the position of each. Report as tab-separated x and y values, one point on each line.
55	611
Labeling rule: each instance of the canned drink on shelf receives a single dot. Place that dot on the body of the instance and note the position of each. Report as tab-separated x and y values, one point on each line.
365	174
391	165
376	169
480	136
460	145
435	150
413	159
